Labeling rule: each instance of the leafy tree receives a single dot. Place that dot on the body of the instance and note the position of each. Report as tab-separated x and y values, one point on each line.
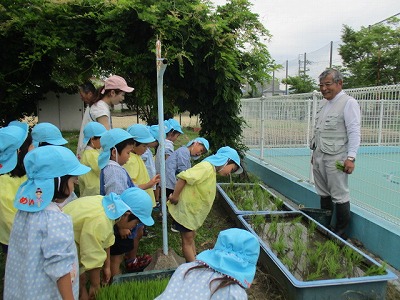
43	47
54	45
372	54
300	84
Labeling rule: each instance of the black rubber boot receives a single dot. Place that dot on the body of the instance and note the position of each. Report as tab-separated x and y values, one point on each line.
342	219
326	203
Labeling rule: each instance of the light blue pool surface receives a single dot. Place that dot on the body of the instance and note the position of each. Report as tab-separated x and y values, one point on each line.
374	185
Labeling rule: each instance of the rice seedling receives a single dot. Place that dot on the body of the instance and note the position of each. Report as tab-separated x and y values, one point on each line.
258	222
133	290
339	165
280	245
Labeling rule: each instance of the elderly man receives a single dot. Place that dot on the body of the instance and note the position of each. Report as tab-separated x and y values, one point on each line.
336	139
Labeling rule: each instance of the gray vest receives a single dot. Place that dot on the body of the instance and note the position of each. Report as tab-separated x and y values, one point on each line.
330	135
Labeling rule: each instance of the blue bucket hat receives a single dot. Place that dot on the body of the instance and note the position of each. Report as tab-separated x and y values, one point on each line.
222	156
11	139
108	141
154	131
141	133
42	165
175	125
201	141
134	199
22	125
167	126
93	129
49	133
235	254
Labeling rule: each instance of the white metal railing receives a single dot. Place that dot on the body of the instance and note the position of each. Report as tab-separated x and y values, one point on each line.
279	129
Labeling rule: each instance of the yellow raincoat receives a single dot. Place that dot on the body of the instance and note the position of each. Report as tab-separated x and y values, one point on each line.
93	231
9	187
89	183
197	196
138	172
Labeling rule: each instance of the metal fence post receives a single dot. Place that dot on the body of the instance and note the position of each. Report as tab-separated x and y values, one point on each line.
381	108
314	112
262	128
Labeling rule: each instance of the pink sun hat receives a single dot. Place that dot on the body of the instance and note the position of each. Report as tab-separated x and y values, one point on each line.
116	82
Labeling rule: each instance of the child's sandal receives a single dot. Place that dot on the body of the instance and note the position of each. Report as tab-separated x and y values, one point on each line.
138	264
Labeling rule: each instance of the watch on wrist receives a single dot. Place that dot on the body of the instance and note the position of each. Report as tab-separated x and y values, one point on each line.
352	159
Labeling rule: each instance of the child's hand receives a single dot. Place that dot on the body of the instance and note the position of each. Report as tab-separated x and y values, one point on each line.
156	179
124	233
106	276
172	199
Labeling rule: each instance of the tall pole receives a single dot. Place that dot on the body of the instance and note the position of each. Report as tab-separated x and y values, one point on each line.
330	55
161	64
286	87
305	63
273	82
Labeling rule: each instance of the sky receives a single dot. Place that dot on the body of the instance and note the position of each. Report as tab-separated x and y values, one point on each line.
299	27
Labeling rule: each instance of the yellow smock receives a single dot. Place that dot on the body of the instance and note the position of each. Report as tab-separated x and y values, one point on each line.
138	172
89	183
9	187
93	231
197	196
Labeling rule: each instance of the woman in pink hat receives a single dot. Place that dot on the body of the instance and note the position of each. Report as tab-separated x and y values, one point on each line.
112	93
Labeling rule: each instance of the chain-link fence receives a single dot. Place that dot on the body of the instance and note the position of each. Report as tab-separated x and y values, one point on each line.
313	63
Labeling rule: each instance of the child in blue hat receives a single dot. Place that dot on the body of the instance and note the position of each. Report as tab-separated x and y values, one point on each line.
42	260
15	142
223	272
11	139
135	166
172	130
180	160
44	134
89	184
140	177
94	219
148	157
117	146
194	194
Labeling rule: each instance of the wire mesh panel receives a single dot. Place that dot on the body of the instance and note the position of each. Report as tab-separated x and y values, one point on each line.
252	113
311	63
280	127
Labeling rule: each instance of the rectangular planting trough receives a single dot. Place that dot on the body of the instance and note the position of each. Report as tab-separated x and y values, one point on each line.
310	262
248	198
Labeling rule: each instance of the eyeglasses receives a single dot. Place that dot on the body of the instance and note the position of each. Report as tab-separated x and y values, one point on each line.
327	84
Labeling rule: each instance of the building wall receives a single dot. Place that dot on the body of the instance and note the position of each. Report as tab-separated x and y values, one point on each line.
63	110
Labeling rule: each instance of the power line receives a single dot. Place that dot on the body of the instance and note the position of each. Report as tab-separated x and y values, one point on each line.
385	20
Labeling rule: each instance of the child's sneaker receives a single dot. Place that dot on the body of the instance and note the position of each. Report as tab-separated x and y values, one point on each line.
157	208
173	229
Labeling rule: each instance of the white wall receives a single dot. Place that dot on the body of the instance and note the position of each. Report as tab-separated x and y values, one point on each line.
63	110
